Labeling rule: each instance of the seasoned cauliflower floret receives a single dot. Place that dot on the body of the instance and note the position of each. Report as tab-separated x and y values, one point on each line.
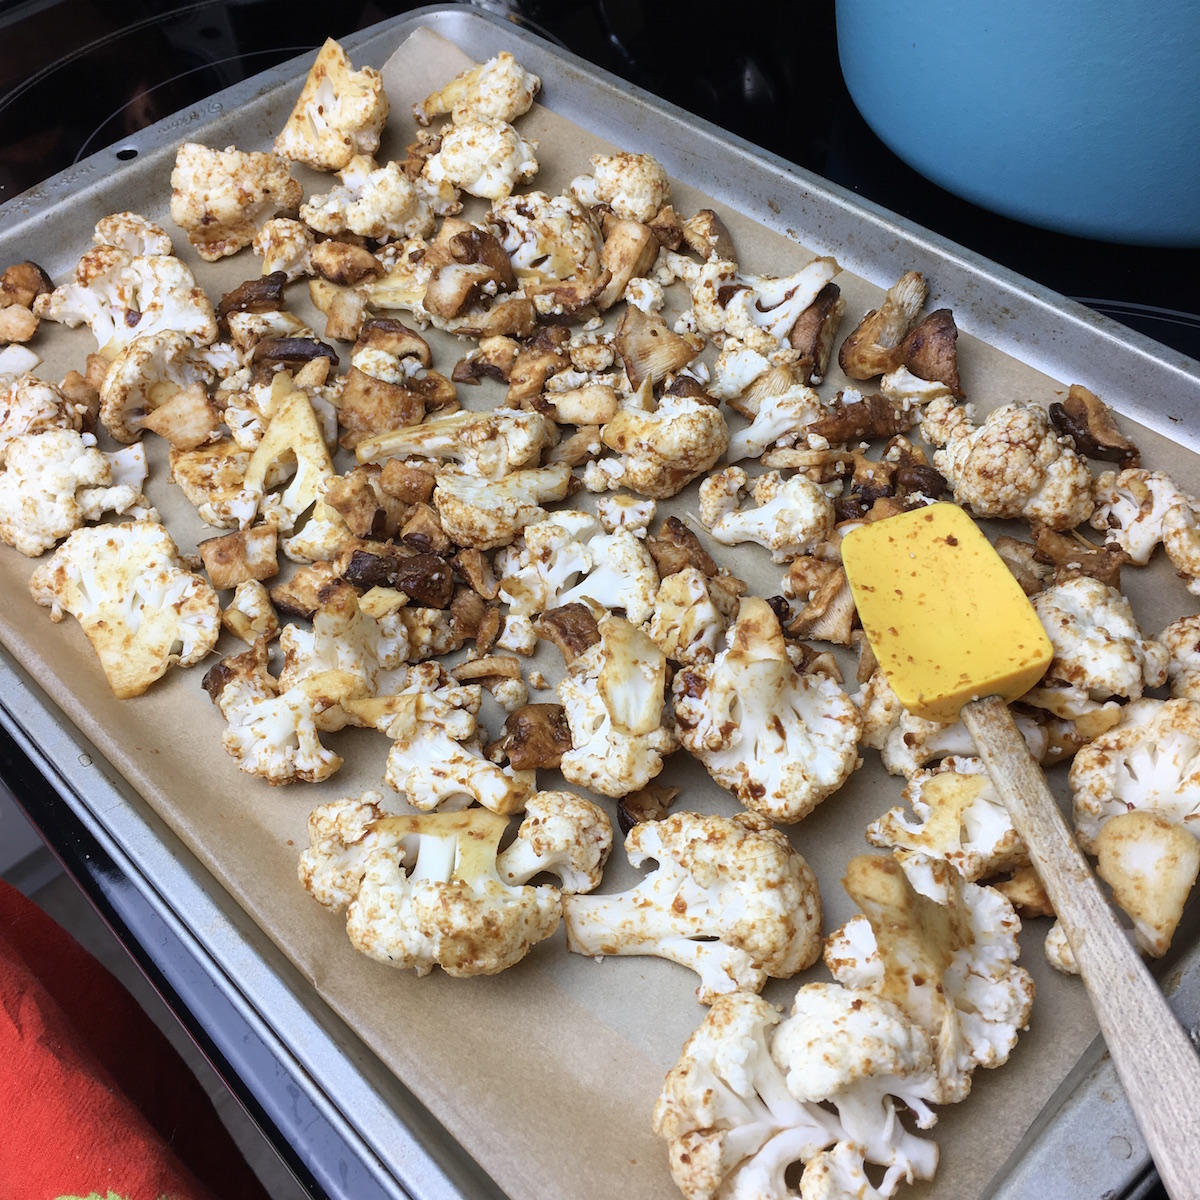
792	516
141	610
562	834
499	89
1137	509
132	232
1182	640
781	741
634	186
285	245
374	202
340	113
30	405
486	513
548	237
484	158
220	197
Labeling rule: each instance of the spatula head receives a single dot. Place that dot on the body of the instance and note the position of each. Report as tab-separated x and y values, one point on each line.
946	618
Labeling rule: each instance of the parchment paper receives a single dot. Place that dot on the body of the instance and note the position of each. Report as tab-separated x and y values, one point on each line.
547	1073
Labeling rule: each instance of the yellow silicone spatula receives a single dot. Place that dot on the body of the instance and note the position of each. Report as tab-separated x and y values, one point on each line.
956	637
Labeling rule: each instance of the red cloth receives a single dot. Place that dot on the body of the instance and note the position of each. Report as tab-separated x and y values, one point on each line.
93	1098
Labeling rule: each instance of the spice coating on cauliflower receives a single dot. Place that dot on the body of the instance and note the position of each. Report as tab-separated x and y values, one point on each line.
499	89
1182	640
634	186
547	237
791	516
374	202
141	610
484	158
30	405
562	834
731	899
781	741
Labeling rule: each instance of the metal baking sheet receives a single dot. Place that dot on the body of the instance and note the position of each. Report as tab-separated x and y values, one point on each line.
1155	386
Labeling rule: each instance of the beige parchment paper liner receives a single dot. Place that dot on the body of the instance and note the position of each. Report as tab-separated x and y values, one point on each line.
545	1074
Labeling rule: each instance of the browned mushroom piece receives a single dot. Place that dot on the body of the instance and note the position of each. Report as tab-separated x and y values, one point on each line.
95	370
426	578
667	227
85	398
545	355
650	803
866	662
630	249
371	406
690	388
187	420
22	283
827	611
344	264
1090	423
775	381
367	509
873	346
422	531
592	404
650	349
264	294
821	466
367	564
675	547
513	315
238	557
572	628
492	359
814	332
411	482
476	265
291	351
506	666
873	416
1021	559
1026	893
300	595
930	350
393	337
1072	555
467	610
415	153
17	324
810	661
536	735
568	300
476	568
345	314
706	234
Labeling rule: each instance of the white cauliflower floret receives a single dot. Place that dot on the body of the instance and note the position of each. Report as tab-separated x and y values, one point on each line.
1182	640
613	696
435	759
781	741
140	609
792	516
53	483
211	477
220	197
30	405
1150	762
731	900
689	622
122	296
960	817
285	245
340	112
1016	464
499	89
424	889
945	951
486	513
633	513
547	237
1137	509
131	231
734	1121
622	575
903	387
562	834
780	420
645	294
663	450
485	158
374	202
250	614
634	186
1099	652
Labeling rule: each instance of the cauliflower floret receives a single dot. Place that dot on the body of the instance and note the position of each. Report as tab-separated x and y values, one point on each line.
781	741
626	512
1137	509
690	617
663	450
30	405
133	233
1099	652
486	513
122	296
220	197
731	899
1150	762
1015	464
485	158
140	609
791	517
634	186
562	834
960	817
1182	640
374	202
613	696
547	237
211	477
250	614
645	294
945	951
340	113
499	89
53	483
780	420
285	245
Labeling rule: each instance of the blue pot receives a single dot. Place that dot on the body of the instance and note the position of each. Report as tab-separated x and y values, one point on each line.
1074	116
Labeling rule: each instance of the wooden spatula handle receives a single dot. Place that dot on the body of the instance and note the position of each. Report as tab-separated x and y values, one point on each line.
1155	1059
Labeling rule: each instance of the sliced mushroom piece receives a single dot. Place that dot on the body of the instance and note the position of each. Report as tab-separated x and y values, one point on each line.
814	332
413	483
366	565
344	264
291	351
187	420
477	265
345	314
873	416
650	349
1090	423
508	666
389	336
866	663
476	569
467	610
22	283
489	629
873	346
425	578
593	404
630	249
572	628
582	446
650	803
512	315
536	735
493	359
423	532
706	234
930	350
667	227
567	299
367	509
546	355
828	613
675	547
300	596
1072	555
85	398
1021	559
371	406
239	557
264	294
775	381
